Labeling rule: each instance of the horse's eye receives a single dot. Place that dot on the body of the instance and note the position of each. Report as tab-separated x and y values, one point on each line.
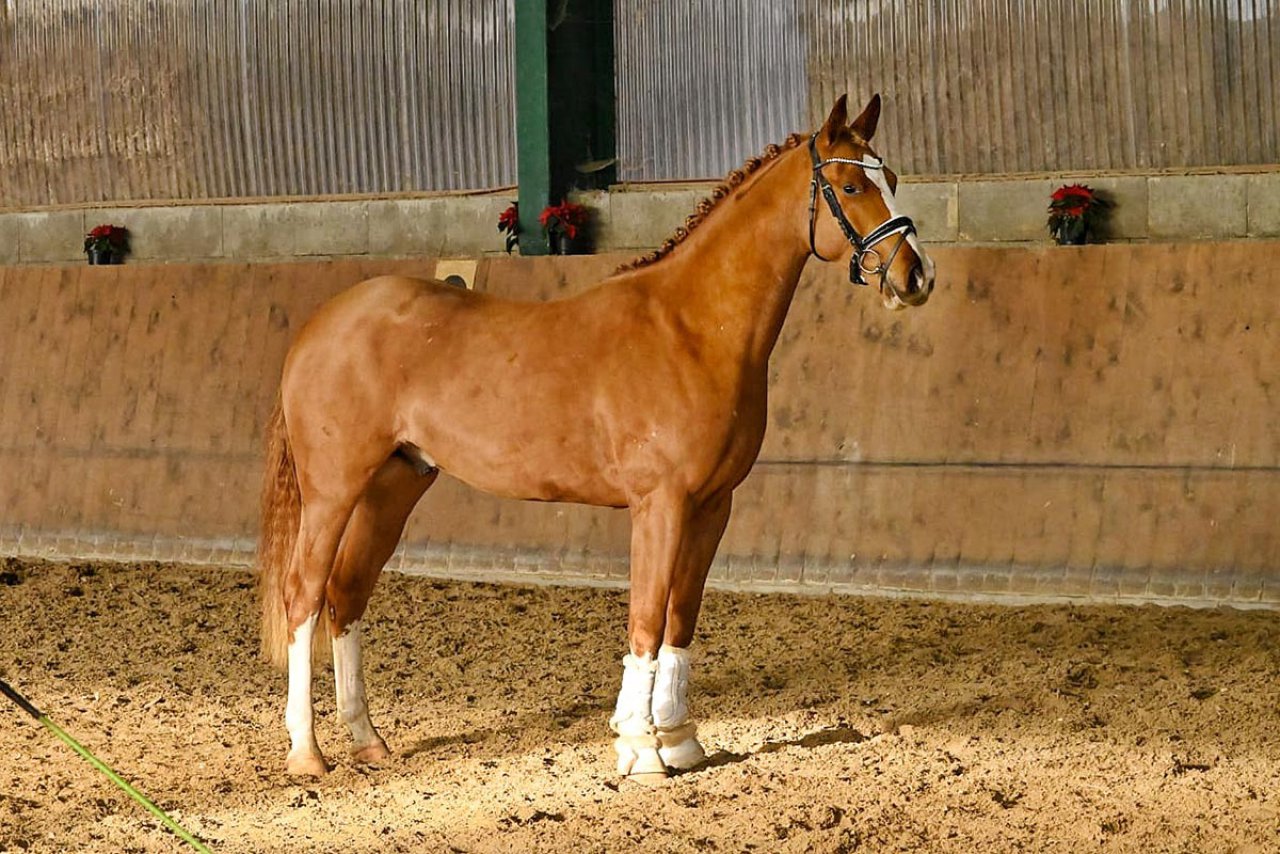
849	189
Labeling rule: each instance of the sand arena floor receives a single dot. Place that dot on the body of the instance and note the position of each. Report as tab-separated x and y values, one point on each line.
833	724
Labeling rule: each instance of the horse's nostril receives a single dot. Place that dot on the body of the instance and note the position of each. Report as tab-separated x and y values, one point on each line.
919	286
917	278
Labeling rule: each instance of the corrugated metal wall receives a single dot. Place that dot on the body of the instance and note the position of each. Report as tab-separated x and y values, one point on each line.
971	86
117	100
112	100
702	86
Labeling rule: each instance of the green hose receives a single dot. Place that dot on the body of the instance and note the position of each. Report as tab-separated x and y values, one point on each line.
26	706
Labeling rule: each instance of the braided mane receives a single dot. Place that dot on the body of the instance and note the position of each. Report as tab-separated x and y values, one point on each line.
707	205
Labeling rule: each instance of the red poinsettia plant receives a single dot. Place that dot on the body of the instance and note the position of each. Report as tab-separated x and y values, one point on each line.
1075	212
566	218
108	239
509	224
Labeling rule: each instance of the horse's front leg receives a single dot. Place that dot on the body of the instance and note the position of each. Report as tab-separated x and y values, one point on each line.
676	729
672	544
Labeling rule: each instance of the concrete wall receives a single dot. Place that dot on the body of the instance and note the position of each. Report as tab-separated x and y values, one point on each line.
1168	207
1007	210
428	226
1058	422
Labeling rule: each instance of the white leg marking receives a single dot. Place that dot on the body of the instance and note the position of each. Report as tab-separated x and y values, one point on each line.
676	731
348	677
297	713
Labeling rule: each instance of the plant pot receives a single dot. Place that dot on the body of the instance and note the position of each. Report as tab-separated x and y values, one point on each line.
563	244
1064	238
104	256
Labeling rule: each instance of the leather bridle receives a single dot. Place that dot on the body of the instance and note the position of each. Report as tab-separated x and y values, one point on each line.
864	246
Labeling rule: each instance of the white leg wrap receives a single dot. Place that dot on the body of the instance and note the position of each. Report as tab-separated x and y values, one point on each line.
634	713
637	743
671	688
676	731
297	712
348	677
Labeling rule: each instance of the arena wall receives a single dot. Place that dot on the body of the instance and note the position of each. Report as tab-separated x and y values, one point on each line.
1212	205
1093	422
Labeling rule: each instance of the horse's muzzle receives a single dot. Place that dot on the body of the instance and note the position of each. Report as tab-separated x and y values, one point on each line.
919	286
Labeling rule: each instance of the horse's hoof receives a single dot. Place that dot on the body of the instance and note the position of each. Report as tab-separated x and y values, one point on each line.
649	778
305	765
679	747
638	758
371	754
683	756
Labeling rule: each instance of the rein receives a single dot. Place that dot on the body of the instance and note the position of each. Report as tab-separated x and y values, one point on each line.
864	246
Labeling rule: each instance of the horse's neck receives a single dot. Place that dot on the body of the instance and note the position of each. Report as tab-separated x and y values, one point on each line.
736	273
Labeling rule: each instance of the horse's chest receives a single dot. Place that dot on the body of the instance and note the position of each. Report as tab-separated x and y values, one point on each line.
715	452
743	440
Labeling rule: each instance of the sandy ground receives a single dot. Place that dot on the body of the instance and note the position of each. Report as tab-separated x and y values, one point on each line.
834	724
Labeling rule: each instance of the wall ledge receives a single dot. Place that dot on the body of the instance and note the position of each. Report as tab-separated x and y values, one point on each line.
1223	204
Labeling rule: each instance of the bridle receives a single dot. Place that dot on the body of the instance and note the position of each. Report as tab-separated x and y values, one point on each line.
864	247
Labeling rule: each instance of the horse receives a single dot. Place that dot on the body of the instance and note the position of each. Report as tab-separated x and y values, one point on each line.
646	391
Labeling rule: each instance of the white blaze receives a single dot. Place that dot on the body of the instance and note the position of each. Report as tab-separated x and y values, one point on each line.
878	178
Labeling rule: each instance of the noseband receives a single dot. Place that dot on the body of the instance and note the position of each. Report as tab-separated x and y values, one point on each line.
864	247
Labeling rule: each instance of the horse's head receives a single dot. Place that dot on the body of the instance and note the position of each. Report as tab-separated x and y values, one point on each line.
852	209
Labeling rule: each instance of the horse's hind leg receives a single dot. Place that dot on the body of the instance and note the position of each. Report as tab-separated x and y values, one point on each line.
323	520
371	536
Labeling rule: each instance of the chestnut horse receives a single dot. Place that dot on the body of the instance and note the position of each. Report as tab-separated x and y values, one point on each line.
647	391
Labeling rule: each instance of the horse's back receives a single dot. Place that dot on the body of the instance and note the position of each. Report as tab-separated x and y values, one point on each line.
399	295
414	333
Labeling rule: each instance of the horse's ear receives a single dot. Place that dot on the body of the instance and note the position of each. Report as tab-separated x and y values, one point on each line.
865	124
831	129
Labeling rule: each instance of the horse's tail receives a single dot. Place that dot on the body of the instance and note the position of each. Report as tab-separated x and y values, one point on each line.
281	518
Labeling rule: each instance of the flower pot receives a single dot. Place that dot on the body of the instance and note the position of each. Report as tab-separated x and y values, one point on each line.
104	256
563	244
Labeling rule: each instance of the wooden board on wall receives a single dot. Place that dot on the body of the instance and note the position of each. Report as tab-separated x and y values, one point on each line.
1097	420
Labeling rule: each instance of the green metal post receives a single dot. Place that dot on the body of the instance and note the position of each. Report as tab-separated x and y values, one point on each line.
533	124
564	105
